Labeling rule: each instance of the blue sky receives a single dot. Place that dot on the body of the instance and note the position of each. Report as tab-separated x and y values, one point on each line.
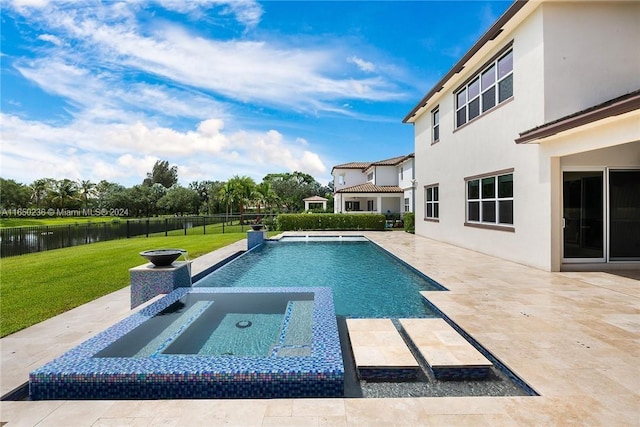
101	90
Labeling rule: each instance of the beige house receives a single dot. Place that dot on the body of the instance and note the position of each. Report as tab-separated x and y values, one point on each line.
385	186
529	147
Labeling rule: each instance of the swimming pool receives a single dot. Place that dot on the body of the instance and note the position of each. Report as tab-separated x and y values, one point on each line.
366	281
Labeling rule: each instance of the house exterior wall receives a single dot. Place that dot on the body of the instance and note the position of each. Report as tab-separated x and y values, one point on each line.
351	177
405	181
487	145
391	204
591	54
566	57
386	175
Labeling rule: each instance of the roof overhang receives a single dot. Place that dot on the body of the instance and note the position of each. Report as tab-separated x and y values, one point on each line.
478	49
625	104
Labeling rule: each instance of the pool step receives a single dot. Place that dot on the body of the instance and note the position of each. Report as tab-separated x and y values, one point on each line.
379	351
297	330
446	352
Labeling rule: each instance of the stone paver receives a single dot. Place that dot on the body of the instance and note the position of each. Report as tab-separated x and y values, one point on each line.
573	337
441	346
377	346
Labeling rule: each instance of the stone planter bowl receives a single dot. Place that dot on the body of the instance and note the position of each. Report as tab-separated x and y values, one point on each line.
162	257
257	227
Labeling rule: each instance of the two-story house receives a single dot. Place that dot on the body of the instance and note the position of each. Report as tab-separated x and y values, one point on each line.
529	147
385	186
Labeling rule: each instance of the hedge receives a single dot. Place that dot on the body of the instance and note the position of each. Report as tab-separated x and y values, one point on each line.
410	222
310	221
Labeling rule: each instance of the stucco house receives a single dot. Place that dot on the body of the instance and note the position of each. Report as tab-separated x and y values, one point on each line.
529	147
385	186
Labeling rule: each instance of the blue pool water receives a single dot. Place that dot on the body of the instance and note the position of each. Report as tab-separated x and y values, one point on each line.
366	281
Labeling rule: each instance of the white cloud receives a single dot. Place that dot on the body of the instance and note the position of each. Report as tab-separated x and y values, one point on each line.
247	12
21	4
365	66
241	70
50	38
124	153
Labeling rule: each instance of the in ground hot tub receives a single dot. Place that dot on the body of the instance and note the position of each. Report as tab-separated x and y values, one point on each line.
207	343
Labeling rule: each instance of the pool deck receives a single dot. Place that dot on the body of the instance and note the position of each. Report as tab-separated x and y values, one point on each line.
573	337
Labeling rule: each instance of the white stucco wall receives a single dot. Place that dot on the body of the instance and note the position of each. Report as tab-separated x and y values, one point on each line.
386	175
487	145
592	54
407	176
351	177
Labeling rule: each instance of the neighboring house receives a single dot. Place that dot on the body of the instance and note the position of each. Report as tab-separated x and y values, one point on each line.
529	147
386	186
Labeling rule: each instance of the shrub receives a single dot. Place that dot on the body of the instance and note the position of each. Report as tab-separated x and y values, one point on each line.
410	222
310	221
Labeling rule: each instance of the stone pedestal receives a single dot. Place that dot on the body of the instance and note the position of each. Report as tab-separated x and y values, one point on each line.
148	281
255	238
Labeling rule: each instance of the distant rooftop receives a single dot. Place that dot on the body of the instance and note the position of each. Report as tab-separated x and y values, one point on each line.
394	161
370	188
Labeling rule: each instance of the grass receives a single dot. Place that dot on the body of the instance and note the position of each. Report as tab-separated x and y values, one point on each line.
36	287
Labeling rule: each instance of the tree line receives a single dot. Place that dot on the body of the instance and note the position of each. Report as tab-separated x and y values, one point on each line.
161	194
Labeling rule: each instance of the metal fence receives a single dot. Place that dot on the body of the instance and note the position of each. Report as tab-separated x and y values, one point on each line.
30	239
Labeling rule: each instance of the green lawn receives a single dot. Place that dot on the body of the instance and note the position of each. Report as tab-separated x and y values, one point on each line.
38	286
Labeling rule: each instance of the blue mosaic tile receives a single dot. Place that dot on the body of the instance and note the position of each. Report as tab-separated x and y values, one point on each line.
78	374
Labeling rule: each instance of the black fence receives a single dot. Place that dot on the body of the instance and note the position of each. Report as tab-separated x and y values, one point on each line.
24	240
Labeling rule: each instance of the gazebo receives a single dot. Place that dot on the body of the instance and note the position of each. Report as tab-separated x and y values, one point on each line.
315	200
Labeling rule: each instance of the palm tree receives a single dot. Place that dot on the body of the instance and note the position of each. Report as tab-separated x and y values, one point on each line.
264	196
243	188
39	189
65	190
87	189
227	196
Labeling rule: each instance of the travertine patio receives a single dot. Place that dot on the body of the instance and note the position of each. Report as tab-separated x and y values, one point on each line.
573	337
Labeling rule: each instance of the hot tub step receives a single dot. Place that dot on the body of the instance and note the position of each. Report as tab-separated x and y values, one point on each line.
297	330
379	351
446	352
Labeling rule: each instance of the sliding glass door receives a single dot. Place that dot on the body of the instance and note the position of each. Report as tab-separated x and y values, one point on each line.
583	216
601	215
624	215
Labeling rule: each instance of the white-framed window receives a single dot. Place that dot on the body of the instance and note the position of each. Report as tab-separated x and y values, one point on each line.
488	88
431	202
435	131
490	199
370	205
407	205
370	176
401	173
340	179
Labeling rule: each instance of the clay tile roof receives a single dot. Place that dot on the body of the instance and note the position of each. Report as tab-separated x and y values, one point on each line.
366	165
370	188
353	165
315	199
392	161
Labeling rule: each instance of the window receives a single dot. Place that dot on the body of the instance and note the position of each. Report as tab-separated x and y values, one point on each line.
490	199
407	206
490	87
436	125
352	206
340	179
370	205
401	173
431	201
370	176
